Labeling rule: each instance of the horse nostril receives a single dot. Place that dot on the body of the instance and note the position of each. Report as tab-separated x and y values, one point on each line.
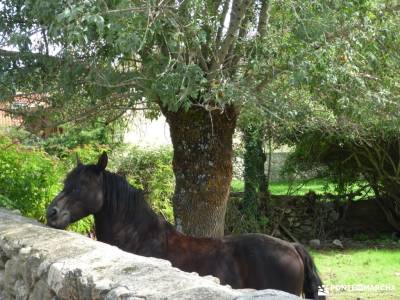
52	212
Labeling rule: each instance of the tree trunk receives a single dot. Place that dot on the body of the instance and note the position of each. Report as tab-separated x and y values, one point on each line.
202	164
254	169
390	203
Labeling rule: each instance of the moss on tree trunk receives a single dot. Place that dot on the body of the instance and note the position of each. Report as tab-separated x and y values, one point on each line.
202	164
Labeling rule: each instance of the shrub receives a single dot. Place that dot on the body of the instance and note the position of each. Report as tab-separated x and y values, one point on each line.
150	170
75	137
88	154
29	178
5	202
239	219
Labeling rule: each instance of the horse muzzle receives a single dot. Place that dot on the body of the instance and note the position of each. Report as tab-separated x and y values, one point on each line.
57	218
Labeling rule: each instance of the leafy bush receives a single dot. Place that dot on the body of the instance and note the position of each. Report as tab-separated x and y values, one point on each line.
62	144
29	178
150	170
93	134
240	219
5	202
88	154
84	226
367	161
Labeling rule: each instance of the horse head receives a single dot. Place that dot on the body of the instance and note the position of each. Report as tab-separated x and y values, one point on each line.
81	196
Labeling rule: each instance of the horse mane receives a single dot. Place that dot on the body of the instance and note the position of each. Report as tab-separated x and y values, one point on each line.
121	198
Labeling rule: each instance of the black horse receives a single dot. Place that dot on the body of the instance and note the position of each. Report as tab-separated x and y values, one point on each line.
124	219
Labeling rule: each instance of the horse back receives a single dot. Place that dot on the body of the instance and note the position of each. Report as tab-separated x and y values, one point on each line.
244	261
205	256
266	262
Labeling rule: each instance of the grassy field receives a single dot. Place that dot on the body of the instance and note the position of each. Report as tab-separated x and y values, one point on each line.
376	273
296	188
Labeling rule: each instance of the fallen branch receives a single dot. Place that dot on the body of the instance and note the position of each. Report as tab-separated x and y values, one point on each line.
288	233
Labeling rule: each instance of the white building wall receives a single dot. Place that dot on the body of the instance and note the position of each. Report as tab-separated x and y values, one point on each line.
148	133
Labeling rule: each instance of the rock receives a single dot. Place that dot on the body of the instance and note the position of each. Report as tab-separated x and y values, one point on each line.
315	243
306	230
42	291
267	294
120	293
24	252
307	222
1	280
334	216
10	274
396	236
41	263
21	290
16	211
338	243
29	270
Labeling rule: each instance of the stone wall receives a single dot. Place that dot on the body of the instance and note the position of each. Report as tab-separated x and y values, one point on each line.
304	217
277	162
37	262
325	217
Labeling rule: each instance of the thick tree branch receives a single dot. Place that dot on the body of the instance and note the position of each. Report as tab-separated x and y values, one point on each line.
233	56
24	55
268	79
221	22
238	11
215	4
263	18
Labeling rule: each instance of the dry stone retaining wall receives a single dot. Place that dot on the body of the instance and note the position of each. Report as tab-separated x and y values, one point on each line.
40	263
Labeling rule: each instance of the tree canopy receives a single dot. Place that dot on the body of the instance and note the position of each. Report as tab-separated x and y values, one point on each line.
340	105
118	54
339	59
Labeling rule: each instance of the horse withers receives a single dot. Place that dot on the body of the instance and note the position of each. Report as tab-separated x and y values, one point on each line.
124	219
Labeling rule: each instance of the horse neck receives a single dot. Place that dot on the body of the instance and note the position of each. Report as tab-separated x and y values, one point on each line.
136	229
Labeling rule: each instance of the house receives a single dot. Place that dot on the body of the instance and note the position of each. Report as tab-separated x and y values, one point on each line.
6	120
38	121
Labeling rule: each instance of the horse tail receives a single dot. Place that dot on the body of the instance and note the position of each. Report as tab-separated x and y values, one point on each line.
312	282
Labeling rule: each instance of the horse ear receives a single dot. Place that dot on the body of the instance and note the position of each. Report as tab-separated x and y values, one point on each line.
78	160
102	162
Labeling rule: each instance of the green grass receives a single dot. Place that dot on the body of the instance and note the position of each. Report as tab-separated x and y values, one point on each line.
301	188
360	267
295	188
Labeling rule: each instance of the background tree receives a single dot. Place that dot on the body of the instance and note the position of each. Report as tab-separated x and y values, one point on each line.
359	88
261	118
339	107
